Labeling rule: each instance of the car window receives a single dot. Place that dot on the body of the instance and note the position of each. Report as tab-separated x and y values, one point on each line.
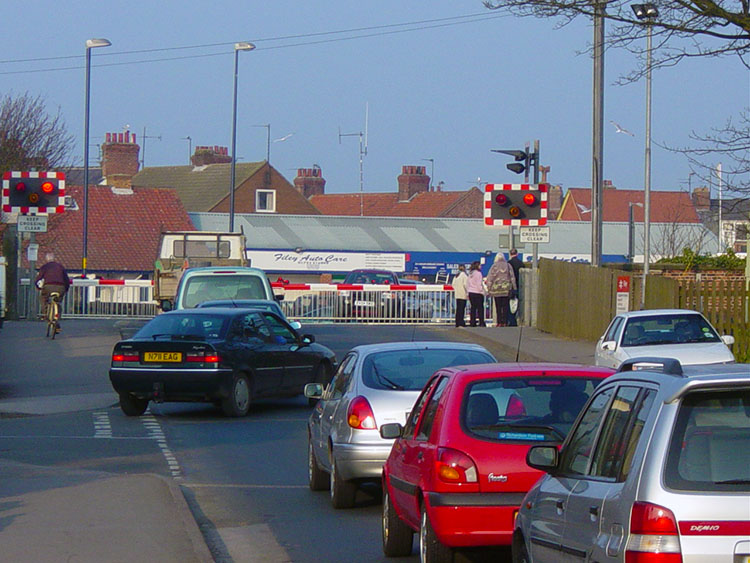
343	376
409	369
643	409
577	452
280	331
612	331
184	326
710	446
652	330
411	422
610	448
222	286
428	418
524	409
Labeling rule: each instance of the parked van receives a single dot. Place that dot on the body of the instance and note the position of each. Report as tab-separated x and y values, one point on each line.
207	284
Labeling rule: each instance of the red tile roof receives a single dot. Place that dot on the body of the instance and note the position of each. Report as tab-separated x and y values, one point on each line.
666	207
123	228
424	204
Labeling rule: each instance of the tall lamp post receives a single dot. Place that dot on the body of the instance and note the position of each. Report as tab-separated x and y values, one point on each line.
647	12
90	44
241	46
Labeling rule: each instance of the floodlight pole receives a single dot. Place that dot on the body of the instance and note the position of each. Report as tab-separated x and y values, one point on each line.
241	46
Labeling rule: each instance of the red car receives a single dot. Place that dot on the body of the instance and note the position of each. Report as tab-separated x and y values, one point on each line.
457	472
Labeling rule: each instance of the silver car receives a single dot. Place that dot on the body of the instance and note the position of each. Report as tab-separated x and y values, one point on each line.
655	469
674	333
375	384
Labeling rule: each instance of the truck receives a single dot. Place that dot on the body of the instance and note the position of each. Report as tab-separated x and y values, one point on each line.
181	250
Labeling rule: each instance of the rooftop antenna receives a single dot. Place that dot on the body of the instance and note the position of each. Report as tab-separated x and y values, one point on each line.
143	148
189	139
362	154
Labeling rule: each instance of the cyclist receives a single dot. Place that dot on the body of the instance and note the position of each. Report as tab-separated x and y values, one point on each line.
52	278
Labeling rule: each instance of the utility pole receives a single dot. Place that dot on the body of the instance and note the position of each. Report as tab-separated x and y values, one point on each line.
597	157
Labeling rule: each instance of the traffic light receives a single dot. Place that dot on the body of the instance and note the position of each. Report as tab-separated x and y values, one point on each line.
33	192
515	204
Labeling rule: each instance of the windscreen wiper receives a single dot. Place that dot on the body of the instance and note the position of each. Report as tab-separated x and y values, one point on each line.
384	379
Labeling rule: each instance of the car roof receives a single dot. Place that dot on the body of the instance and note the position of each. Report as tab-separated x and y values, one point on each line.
223	311
236	303
655	312
535	369
224	269
418	345
371	270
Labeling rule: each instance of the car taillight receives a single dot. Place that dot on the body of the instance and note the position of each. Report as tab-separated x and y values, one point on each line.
125	357
653	535
453	466
202	357
515	407
360	415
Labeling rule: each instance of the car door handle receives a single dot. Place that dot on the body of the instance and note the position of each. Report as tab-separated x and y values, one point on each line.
560	505
420	456
594	510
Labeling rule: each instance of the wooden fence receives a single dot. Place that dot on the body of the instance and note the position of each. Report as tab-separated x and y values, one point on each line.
577	301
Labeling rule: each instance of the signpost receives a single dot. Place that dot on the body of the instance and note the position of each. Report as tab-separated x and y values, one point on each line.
622	304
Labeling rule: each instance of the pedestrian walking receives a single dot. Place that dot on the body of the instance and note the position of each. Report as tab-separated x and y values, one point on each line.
501	283
475	289
516	264
461	294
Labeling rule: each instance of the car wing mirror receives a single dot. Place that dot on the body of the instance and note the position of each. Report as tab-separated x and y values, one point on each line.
314	390
727	339
609	345
279	296
166	305
307	339
391	431
544	458
296	325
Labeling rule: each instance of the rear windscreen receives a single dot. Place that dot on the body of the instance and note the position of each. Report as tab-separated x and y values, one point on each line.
710	446
525	409
222	286
183	327
409	370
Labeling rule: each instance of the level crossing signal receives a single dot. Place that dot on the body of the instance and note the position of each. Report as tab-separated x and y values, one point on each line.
515	204
33	192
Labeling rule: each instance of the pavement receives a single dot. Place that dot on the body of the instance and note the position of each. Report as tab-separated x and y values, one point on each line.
50	514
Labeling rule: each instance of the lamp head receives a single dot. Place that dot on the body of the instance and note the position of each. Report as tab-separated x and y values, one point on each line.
92	43
244	46
645	11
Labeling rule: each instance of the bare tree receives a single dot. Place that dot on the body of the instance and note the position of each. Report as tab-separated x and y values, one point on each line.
31	137
683	28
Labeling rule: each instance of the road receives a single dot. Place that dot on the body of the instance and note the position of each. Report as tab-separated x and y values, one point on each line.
245	479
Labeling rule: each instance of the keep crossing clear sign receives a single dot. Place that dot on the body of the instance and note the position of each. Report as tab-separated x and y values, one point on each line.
32	223
534	234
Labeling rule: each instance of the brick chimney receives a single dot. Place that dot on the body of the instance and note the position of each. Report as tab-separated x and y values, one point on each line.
310	181
554	201
210	155
119	159
412	181
701	199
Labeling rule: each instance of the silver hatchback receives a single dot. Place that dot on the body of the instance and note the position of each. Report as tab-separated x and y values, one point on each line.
655	469
375	384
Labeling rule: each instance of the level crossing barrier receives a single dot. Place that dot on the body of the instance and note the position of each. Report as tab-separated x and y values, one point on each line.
360	303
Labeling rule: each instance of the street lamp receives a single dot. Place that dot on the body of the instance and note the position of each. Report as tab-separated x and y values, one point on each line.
90	44
241	46
647	12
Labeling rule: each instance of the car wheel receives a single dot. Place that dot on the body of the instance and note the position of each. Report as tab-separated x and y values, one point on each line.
238	402
520	555
132	405
397	536
430	548
317	478
342	492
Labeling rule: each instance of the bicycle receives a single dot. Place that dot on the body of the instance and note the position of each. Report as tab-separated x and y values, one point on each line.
52	314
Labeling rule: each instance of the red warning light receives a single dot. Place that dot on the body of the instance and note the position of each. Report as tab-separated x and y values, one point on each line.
501	199
529	199
48	187
20	186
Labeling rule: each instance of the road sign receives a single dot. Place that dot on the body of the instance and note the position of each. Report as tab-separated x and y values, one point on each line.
32	224
622	303
515	204
534	234
33	192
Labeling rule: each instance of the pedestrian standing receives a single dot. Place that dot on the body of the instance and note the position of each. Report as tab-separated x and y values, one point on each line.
475	289
516	264
459	290
500	284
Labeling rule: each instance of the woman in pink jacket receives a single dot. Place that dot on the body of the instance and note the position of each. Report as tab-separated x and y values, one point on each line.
475	288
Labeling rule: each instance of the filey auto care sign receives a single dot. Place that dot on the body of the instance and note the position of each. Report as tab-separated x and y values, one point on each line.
303	261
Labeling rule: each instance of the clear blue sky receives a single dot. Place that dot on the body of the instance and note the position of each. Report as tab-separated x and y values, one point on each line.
446	90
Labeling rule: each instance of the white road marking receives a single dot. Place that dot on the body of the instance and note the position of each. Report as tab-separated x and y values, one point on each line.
102	426
157	434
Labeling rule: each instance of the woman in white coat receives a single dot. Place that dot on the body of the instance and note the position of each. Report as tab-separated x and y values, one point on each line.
461	294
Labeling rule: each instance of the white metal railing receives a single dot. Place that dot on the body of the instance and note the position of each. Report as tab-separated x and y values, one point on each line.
109	298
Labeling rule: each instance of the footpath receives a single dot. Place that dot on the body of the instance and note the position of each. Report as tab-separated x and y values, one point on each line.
51	514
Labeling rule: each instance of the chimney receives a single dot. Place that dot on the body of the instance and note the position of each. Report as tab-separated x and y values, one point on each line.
119	158
210	155
412	181
310	181
701	198
608	185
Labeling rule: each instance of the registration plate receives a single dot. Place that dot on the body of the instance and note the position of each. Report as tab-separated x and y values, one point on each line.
364	303
162	357
741	558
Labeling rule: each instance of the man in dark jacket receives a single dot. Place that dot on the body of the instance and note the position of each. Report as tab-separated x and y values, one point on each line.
52	278
516	264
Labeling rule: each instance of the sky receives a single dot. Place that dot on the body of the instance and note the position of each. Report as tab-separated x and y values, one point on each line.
441	92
